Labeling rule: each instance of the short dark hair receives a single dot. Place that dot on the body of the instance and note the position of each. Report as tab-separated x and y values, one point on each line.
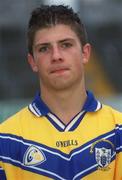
47	16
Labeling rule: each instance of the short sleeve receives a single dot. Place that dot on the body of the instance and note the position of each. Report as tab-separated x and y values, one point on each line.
2	174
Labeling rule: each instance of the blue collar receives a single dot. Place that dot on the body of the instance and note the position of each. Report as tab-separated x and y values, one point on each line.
39	108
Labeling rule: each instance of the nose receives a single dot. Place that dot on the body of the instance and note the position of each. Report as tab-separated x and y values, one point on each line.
56	54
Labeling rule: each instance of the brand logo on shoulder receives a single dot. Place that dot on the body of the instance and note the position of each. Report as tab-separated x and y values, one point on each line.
33	156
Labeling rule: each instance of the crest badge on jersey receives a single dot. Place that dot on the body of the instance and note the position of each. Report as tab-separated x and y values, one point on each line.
33	156
103	151
103	157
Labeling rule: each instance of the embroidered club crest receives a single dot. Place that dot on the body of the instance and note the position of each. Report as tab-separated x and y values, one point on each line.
103	157
33	156
103	151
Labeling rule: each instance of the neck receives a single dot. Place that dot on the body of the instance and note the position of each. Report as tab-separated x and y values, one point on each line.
65	104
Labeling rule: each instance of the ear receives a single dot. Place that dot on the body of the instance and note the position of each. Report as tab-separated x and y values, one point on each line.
32	63
86	52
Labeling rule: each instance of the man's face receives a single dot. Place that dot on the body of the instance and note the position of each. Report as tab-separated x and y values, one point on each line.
58	57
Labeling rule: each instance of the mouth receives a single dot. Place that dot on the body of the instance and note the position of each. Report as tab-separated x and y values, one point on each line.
59	70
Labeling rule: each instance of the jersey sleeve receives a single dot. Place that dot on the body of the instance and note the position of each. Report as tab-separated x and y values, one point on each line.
118	132
2	174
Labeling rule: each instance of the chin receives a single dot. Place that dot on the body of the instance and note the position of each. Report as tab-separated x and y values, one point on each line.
62	85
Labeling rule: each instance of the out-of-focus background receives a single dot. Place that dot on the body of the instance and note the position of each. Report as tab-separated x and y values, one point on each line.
103	20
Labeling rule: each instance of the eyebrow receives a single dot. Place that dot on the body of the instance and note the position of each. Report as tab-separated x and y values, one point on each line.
59	41
67	39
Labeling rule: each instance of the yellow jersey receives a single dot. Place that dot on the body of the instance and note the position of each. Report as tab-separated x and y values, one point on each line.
36	144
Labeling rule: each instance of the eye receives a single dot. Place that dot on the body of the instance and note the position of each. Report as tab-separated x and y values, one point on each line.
66	45
43	49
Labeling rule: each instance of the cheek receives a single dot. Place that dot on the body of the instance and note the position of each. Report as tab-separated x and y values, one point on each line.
79	67
79	62
42	68
40	62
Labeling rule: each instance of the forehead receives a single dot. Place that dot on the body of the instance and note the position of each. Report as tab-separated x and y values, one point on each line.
54	34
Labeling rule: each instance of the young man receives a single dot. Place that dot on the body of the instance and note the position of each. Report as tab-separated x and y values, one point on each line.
65	133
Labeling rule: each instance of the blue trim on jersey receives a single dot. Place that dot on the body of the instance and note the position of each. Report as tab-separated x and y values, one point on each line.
38	107
118	132
77	122
29	142
65	126
91	103
2	174
59	165
89	106
54	123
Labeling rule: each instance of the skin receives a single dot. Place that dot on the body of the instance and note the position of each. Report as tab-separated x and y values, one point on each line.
59	59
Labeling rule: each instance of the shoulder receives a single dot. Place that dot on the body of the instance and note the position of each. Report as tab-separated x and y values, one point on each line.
13	123
113	113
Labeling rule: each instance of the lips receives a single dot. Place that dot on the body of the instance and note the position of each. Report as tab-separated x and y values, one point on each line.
59	70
